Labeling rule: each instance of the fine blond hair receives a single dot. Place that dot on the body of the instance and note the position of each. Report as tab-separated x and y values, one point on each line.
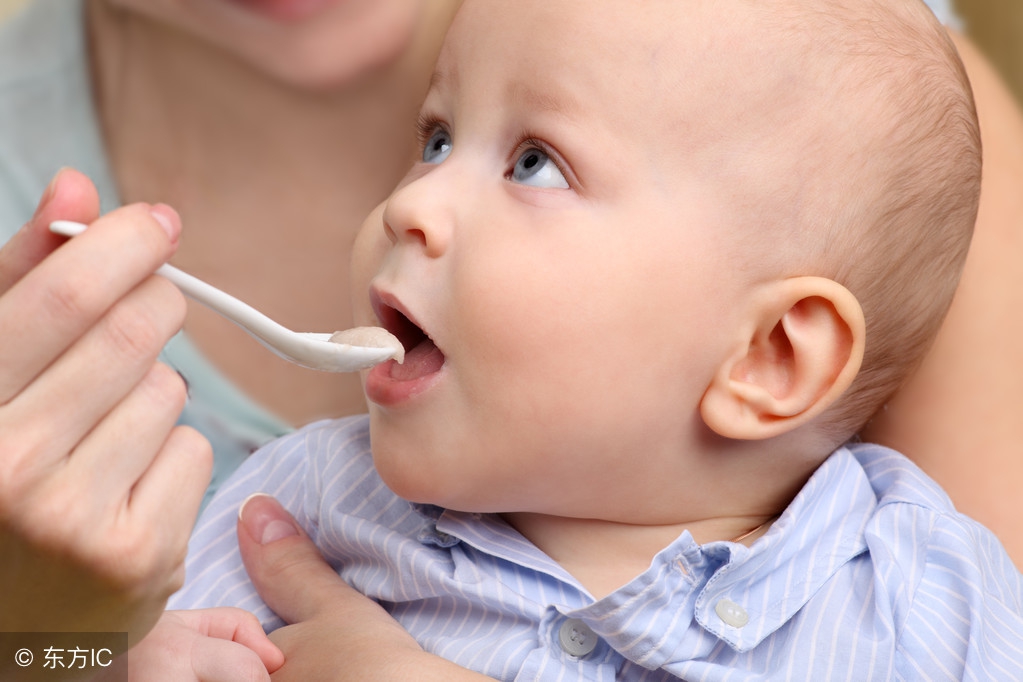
894	226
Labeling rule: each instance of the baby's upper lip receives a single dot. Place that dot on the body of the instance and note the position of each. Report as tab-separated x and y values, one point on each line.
395	318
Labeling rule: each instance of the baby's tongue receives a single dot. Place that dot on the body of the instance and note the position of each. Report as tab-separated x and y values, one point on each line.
424	359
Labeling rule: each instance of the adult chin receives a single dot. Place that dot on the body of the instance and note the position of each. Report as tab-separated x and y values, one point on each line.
325	44
309	44
285	11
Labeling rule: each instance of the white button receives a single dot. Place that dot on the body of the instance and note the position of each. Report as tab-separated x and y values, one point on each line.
731	613
577	639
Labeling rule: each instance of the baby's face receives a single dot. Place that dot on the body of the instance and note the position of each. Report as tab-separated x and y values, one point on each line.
564	249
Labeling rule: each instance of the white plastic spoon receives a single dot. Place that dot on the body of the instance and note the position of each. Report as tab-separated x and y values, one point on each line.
335	352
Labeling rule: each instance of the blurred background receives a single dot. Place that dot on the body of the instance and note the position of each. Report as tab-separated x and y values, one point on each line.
995	25
997	28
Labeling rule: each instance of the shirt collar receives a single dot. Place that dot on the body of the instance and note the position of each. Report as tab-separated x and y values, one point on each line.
820	531
769	582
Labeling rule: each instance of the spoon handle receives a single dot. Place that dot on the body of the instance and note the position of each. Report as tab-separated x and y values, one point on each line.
313	350
210	296
227	305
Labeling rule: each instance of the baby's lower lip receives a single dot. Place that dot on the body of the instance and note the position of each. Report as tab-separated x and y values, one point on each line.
390	383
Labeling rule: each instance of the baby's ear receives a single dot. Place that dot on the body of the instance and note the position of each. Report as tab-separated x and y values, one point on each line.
800	352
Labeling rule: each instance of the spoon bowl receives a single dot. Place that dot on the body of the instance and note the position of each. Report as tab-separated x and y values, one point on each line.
308	349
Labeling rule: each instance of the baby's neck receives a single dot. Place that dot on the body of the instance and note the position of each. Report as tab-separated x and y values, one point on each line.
605	555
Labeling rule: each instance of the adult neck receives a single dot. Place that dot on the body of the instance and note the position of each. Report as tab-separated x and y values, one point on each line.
179	112
272	182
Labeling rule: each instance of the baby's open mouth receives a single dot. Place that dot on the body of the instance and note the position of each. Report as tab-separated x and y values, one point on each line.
422	357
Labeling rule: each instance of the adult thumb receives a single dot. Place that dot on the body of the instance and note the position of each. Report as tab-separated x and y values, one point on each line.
285	566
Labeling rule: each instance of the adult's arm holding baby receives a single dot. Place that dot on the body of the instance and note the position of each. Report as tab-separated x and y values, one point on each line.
98	488
957	416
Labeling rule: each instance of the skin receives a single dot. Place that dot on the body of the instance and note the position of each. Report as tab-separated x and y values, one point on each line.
98	540
312	44
98	496
971	434
1000	220
328	619
289	561
639	218
208	645
333	116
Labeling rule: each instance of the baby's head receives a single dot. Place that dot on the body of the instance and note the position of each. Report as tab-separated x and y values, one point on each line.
644	235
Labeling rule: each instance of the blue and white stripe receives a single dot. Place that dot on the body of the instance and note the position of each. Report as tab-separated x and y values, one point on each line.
870	574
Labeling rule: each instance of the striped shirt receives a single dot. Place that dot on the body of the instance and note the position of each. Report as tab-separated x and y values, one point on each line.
870	574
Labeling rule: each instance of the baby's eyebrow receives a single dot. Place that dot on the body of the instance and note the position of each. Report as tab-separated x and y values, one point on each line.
437	78
444	76
561	103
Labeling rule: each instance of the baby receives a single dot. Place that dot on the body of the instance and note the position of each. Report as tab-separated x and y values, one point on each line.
659	261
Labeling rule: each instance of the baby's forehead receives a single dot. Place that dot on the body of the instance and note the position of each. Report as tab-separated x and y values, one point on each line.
679	44
666	52
679	59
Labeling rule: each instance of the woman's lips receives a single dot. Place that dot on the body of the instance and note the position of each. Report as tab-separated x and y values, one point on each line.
285	10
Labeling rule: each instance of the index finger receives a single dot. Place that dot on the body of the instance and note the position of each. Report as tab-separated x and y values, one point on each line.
58	300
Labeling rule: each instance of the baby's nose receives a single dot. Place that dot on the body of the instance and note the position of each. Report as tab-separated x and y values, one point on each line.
420	213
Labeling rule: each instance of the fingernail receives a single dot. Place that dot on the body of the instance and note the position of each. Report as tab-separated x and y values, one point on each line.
264	522
188	397
48	192
168	219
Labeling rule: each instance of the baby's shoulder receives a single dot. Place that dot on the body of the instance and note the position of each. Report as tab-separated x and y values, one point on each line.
945	582
918	539
896	480
913	514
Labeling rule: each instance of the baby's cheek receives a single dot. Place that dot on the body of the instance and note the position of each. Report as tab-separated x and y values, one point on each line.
368	252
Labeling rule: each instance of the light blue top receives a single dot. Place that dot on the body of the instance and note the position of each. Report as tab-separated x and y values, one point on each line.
47	121
870	574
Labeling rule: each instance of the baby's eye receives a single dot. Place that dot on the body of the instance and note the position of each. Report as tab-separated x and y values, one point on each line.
536	169
437	146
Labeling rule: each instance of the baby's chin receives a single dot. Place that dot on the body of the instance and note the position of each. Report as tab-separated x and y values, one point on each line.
422	484
401	466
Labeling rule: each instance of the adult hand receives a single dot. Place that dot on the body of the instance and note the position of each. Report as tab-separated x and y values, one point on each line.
98	488
335	632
